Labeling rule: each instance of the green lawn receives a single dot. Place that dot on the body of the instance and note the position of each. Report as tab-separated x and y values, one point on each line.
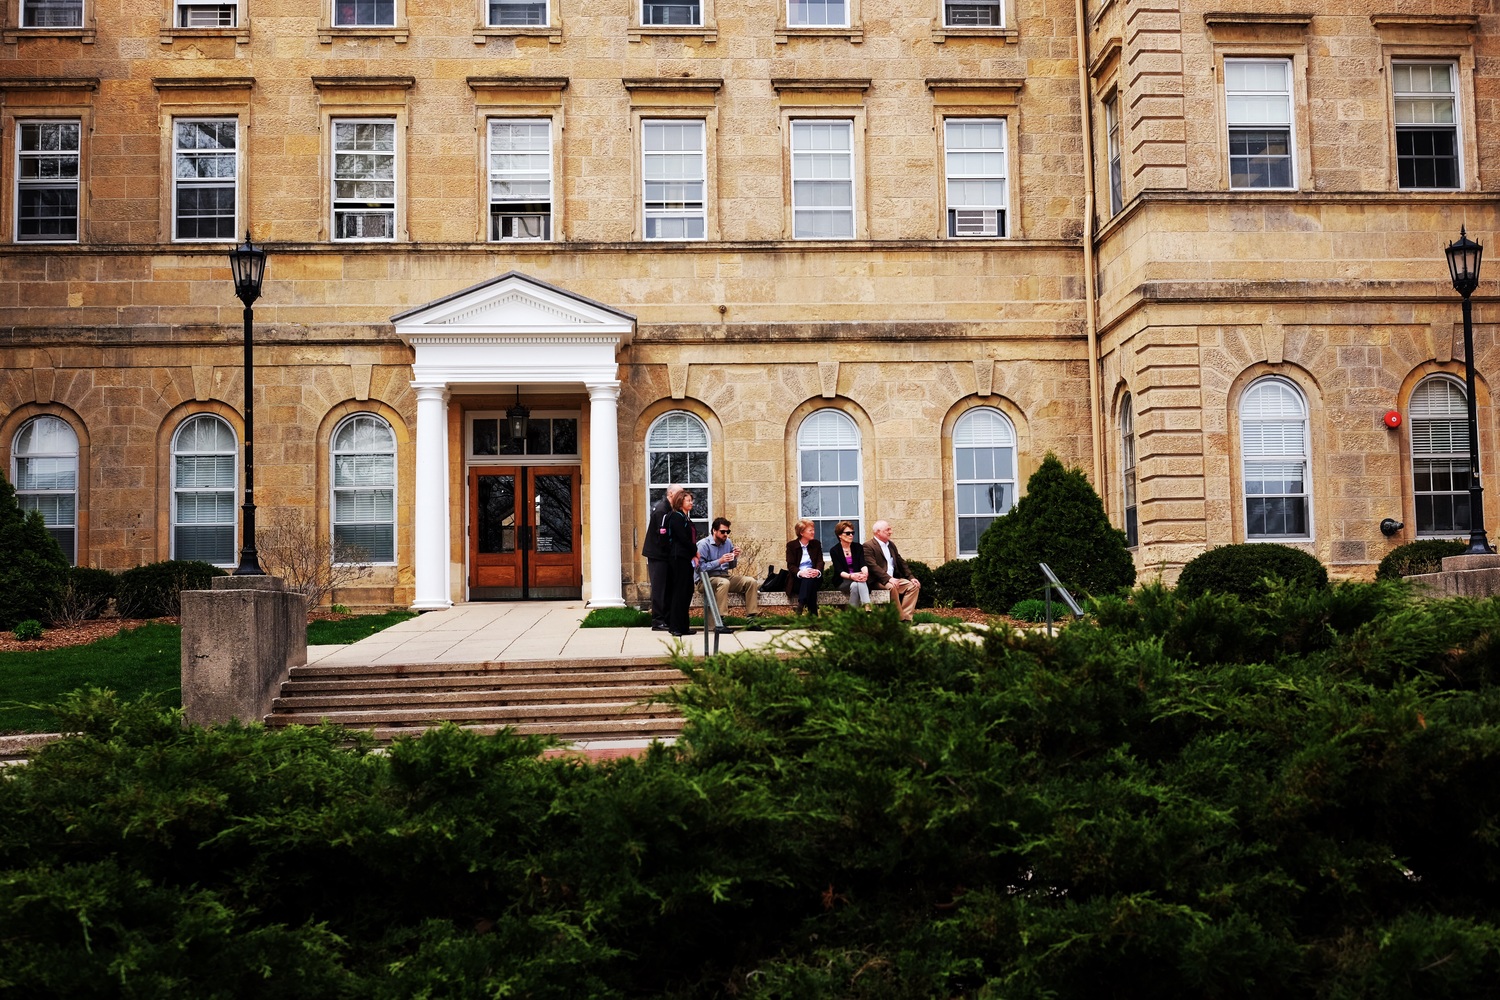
145	660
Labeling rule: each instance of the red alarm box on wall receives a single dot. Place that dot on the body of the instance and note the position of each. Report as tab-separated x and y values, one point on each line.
1392	419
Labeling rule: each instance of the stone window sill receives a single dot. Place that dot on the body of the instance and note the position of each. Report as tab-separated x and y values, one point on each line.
84	35
241	36
941	34
854	34
708	33
553	33
327	34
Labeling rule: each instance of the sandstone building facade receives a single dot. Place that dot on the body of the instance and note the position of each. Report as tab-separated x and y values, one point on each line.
824	258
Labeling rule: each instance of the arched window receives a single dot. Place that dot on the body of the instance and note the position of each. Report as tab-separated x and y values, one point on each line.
45	472
828	464
1439	414
984	473
1273	445
1127	469
677	452
363	451
204	485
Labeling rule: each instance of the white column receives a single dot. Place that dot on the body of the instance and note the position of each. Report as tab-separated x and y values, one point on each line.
604	496
431	499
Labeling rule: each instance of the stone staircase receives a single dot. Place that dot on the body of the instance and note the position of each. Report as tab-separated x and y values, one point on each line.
576	701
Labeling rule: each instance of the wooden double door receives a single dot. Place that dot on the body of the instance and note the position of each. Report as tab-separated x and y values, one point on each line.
525	538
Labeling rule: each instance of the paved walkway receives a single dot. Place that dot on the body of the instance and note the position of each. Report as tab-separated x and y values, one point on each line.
515	630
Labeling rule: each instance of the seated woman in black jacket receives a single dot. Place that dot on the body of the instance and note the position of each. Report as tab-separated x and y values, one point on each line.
804	565
682	556
848	558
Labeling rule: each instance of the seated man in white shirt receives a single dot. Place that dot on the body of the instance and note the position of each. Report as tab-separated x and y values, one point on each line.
889	571
717	555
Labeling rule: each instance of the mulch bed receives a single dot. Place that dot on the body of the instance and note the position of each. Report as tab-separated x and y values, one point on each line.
62	636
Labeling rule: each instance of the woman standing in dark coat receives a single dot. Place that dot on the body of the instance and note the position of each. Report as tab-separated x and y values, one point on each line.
804	566
682	556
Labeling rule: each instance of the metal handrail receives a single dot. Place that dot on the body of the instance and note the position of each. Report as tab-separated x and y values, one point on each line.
713	620
1049	582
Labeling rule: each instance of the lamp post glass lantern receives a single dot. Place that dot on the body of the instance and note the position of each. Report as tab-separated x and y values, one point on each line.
518	417
247	264
1464	256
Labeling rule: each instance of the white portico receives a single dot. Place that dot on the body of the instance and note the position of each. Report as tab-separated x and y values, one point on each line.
514	333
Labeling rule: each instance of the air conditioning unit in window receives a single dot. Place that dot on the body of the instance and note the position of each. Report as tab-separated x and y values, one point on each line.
521	226
975	221
208	15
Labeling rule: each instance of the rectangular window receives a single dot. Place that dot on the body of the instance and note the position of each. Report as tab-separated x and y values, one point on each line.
1258	101
521	179
972	14
517	13
975	156
822	180
364	13
817	13
683	12
52	13
47	181
1426	125
364	180
1116	176
673	170
207	15
205	166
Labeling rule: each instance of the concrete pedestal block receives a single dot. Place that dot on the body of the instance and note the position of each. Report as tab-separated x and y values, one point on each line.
1481	581
238	642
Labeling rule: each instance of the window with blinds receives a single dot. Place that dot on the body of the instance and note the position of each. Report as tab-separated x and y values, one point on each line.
1439	419
363	451
829	480
984	473
1127	469
44	462
1273	445
204	485
677	452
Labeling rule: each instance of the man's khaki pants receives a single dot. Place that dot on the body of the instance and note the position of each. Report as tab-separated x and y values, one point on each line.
906	593
736	584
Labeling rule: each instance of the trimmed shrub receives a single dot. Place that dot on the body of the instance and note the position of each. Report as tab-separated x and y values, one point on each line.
1243	569
954	580
1061	522
33	570
84	597
1415	558
151	591
927	597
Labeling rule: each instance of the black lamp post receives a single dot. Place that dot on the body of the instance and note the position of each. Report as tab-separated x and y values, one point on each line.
248	265
1463	264
518	417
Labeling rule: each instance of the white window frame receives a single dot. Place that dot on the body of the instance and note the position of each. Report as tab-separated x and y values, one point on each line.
24	184
973	7
676	433
490	7
1414	99
661	9
497	218
384	488
1294	449
48	9
684	210
1112	147
205	14
1248	110
1000	435
806	168
339	23
31	496
1424	415
181	183
805	8
837	432
352	206
967	218
232	490
1129	508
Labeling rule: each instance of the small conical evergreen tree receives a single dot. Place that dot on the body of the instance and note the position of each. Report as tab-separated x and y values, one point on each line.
1061	522
33	570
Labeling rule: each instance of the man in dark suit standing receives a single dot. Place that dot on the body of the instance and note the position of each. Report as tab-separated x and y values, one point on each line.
889	571
654	548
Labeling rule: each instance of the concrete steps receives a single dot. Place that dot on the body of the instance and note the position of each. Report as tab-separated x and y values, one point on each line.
574	701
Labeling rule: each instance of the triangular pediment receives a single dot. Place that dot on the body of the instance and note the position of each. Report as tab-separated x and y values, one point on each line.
513	305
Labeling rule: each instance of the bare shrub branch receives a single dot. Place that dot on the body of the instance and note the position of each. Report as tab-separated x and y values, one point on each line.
307	559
